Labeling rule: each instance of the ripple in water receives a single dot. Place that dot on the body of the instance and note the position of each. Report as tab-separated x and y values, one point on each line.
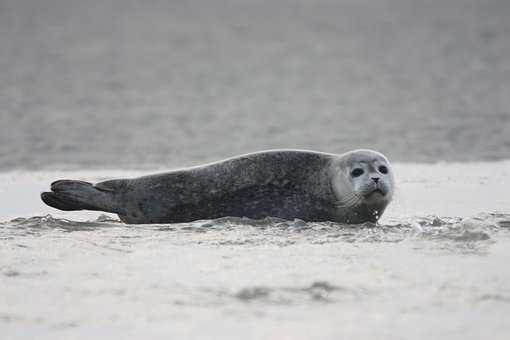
244	231
318	291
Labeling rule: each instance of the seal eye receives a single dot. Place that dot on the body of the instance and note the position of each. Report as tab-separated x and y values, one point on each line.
357	172
383	169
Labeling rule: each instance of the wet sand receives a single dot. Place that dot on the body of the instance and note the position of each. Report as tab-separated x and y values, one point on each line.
436	266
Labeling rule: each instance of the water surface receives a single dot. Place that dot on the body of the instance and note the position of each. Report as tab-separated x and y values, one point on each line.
123	84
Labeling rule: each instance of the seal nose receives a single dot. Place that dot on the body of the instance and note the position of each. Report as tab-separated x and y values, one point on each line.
375	179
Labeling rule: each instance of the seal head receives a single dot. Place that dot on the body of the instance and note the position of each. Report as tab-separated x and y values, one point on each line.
363	184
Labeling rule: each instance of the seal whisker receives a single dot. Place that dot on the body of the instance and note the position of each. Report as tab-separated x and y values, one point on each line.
351	200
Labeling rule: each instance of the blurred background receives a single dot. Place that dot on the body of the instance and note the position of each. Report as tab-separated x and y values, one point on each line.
153	83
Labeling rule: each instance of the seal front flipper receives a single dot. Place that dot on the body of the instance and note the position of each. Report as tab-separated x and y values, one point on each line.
78	195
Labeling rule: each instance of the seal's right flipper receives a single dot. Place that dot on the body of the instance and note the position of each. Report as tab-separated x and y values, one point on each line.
61	202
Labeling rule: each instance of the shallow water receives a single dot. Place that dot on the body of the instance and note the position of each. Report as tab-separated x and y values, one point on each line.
121	83
436	266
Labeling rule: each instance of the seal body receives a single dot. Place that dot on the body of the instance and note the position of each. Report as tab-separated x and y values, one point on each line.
288	184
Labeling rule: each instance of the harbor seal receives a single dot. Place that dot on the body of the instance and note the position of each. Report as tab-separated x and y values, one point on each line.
353	187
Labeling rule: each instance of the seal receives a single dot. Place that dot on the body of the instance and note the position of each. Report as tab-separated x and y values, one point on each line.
353	187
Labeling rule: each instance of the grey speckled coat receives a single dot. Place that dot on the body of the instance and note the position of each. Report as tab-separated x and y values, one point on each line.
282	183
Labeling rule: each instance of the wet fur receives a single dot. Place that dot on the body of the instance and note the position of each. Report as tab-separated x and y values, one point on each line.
283	183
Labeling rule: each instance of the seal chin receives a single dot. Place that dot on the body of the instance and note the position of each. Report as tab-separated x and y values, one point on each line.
376	197
375	193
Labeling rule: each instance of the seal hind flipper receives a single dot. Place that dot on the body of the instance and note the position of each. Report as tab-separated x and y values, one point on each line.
58	201
78	195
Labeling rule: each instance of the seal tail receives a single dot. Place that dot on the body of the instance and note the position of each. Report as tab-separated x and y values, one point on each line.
78	195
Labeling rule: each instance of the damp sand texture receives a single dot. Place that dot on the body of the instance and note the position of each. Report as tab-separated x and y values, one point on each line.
435	267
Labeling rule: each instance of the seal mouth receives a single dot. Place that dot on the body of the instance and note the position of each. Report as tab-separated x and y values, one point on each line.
376	192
